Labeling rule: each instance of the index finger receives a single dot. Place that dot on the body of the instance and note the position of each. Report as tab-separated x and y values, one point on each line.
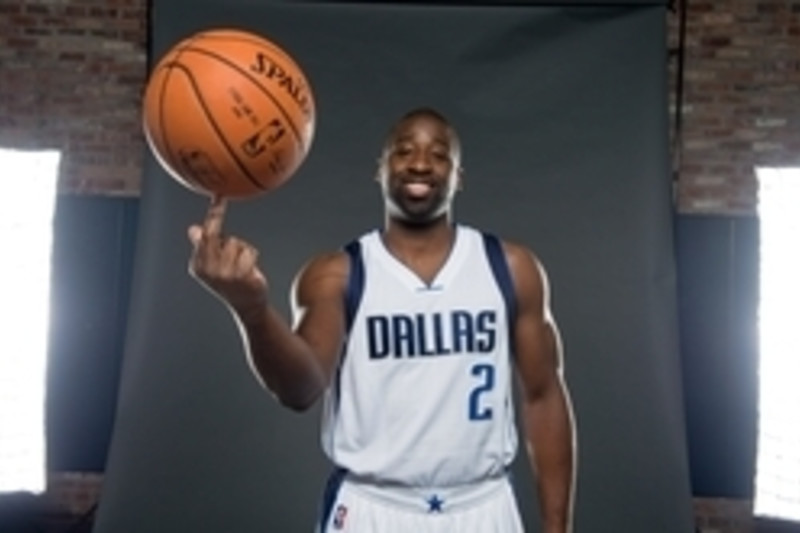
212	225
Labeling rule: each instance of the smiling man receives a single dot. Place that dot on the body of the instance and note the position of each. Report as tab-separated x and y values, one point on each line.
411	336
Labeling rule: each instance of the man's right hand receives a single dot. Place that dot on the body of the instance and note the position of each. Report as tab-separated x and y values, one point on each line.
227	266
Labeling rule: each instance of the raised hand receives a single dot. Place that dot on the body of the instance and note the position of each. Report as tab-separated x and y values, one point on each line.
226	266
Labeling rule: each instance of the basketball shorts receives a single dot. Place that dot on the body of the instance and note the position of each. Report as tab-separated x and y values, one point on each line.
352	506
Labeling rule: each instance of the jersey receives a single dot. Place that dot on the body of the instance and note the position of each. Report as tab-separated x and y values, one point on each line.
422	393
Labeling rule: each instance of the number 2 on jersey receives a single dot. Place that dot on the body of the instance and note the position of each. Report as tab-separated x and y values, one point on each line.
485	375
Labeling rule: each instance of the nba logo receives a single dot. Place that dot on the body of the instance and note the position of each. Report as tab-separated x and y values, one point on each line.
339	516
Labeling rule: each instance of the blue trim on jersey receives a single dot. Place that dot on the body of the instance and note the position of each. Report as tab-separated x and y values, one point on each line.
502	274
352	299
355	283
329	496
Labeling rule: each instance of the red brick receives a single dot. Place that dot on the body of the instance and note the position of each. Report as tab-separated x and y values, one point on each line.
37	9
10	9
717	40
22	21
700	7
72	56
75	11
21	43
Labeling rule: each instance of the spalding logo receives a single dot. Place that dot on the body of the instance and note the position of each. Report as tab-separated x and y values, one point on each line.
294	86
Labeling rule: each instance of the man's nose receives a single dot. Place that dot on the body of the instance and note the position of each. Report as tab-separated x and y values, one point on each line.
420	163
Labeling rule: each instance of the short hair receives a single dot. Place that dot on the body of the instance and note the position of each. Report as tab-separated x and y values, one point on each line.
428	112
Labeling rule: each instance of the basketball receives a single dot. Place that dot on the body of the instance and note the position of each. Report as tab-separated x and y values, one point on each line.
228	112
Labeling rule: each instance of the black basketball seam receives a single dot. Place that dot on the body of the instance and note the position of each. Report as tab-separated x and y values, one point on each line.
217	129
178	165
249	40
234	66
162	123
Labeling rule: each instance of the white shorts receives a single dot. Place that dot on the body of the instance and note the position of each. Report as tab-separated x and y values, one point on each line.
352	506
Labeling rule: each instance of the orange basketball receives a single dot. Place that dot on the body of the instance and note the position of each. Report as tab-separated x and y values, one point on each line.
229	112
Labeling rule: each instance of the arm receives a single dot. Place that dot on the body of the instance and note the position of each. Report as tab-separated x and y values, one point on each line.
294	363
546	410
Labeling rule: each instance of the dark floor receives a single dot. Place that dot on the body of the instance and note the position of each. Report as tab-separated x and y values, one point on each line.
26	513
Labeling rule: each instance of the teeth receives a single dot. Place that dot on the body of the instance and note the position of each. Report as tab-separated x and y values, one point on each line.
417	189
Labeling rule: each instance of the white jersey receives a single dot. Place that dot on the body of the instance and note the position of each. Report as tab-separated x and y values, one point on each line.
422	394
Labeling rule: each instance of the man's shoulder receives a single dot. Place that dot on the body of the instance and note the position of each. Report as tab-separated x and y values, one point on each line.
338	261
519	257
514	250
331	267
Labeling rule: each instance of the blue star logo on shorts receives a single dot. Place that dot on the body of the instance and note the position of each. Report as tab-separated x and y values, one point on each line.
435	504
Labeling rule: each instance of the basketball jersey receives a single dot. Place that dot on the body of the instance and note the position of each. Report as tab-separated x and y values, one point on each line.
422	393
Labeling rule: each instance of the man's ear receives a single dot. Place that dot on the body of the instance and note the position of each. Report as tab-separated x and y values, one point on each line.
460	178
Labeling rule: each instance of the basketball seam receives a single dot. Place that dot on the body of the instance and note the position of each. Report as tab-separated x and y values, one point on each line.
168	153
218	130
289	121
162	123
255	41
176	162
244	39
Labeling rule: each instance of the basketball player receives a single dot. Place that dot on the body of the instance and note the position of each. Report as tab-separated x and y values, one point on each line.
410	335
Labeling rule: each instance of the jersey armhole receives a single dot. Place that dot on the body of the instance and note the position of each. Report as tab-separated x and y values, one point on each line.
352	299
355	283
502	275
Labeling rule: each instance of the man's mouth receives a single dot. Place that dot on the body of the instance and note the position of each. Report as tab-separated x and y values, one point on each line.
417	189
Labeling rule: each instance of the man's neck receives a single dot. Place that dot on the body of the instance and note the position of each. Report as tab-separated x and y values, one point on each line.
402	237
424	249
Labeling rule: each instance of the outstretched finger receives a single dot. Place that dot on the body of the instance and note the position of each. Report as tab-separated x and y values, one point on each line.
212	225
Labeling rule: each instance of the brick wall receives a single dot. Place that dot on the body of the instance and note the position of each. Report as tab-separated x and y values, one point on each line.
742	100
714	515
71	74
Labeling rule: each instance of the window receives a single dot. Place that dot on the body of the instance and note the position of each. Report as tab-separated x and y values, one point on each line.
777	488
26	218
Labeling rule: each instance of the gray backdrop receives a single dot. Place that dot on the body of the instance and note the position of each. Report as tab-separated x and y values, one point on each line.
563	117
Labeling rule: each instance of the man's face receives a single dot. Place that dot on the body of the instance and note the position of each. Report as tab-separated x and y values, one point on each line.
419	171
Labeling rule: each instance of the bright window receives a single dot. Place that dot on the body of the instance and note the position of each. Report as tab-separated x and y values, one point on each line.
778	463
26	220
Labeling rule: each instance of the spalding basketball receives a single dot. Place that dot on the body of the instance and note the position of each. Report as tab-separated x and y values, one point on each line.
230	113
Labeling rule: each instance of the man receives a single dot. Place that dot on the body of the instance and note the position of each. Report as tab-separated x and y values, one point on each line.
411	334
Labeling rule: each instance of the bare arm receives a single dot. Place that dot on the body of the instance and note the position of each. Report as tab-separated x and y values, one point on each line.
547	413
294	363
